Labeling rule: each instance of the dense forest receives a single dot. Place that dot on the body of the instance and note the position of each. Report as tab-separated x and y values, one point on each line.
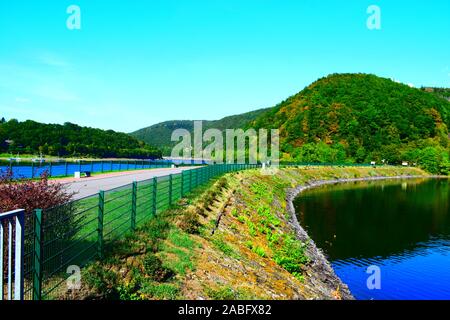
363	118
159	135
32	137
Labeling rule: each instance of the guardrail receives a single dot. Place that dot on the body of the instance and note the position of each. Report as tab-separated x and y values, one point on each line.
12	227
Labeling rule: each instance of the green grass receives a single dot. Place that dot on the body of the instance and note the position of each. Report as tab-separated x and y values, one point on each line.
182	261
163	291
228	293
180	239
220	244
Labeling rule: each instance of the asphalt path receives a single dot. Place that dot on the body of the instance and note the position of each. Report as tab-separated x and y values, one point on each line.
86	187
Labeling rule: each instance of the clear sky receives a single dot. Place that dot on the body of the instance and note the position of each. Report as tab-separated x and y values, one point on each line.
135	62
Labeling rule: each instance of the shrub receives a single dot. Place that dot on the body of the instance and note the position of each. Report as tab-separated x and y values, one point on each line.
291	256
189	222
154	269
102	280
30	195
60	223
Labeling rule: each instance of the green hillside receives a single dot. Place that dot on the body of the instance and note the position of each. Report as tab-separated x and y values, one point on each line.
362	118
32	137
160	134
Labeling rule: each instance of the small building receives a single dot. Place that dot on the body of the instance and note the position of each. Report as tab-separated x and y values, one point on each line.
405	164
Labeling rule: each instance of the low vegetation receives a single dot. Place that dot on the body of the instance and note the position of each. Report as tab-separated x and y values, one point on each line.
16	193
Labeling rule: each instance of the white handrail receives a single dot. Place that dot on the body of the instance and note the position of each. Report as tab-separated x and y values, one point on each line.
16	218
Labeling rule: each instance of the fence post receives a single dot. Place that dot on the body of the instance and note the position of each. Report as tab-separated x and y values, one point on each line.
37	256
155	186
101	212
133	206
182	184
170	189
18	256
190	180
65	169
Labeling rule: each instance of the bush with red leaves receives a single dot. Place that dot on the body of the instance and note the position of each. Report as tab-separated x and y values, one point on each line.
59	222
29	195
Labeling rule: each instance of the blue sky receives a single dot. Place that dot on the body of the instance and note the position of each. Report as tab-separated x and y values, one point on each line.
135	63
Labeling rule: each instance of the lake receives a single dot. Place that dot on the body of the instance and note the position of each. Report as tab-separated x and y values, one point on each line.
400	226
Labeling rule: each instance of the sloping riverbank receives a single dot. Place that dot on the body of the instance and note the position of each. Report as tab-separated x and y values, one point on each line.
237	239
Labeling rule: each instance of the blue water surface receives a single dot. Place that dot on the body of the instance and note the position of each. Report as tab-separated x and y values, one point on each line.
401	227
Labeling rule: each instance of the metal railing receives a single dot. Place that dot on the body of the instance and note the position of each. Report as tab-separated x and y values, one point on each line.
81	231
12	226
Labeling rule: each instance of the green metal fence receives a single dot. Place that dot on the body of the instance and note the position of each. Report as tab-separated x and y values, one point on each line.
79	232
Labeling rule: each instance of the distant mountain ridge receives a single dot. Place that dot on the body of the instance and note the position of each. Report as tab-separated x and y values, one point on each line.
355	118
159	135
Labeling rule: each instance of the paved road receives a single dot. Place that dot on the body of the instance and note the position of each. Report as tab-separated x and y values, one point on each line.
85	187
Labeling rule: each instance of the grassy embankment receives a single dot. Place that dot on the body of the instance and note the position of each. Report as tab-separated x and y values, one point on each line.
231	240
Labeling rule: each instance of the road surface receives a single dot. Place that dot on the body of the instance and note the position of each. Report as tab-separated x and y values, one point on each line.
85	187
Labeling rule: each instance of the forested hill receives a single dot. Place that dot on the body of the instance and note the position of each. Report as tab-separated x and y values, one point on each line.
32	137
160	134
360	118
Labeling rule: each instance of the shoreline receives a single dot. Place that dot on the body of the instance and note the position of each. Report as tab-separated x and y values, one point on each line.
320	265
